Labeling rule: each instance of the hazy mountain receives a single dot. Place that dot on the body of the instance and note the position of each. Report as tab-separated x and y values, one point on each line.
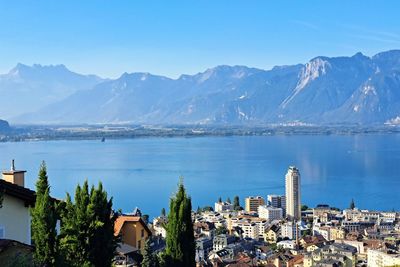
4	126
28	88
357	89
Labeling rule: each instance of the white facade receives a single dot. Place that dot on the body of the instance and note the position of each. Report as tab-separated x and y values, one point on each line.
293	193
222	206
378	258
270	213
15	220
289	230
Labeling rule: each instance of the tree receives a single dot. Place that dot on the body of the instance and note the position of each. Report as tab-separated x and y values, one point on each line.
221	230
149	258
352	204
145	218
87	228
163	213
236	203
219	200
304	207
180	245
228	200
44	220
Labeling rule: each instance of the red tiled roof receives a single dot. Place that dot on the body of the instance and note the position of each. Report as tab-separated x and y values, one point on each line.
121	220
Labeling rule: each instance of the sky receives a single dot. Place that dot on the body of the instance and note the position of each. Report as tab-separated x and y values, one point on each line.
172	37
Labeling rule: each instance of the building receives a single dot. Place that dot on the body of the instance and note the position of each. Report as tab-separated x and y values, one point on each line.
203	247
222	206
270	213
15	223
277	201
293	193
377	258
133	231
252	203
222	241
159	224
290	230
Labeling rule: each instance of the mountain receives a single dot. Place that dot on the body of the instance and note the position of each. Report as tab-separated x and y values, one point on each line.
28	88
4	126
325	90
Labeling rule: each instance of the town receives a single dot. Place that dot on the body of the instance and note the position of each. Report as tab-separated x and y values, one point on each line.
276	230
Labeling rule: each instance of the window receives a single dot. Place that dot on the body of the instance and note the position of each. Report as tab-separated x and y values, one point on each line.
142	233
2	232
139	244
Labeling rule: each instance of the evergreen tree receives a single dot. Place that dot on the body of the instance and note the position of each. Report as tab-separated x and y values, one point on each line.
219	200
352	204
149	258
87	232
145	218
180	245
44	220
236	203
163	213
228	200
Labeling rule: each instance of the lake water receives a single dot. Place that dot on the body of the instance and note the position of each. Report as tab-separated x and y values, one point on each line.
144	172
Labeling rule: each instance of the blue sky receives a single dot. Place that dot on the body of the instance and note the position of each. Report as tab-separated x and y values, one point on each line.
175	37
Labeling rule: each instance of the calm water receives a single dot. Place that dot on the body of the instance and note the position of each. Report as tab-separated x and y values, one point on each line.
145	172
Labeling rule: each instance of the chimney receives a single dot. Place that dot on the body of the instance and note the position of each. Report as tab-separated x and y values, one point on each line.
13	176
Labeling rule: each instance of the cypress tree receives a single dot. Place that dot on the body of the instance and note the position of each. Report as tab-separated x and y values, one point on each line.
236	203
44	220
87	232
228	200
180	245
163	213
149	258
352	204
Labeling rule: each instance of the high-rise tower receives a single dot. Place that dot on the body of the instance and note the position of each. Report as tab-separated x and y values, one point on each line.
293	194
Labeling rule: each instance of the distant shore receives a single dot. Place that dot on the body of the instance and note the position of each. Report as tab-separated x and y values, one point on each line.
104	132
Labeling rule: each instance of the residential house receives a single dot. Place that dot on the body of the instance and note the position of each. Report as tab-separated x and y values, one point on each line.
133	231
15	219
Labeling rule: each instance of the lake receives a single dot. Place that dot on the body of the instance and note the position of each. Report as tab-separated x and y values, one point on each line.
145	172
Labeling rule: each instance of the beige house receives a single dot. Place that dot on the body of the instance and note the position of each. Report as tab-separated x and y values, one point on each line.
15	219
133	231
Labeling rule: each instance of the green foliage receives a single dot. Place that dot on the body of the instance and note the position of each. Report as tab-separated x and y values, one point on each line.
180	245
236	203
87	228
221	230
304	207
219	200
150	259
145	218
228	200
44	221
163	213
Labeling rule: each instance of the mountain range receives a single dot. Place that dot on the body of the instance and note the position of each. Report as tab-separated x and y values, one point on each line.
326	90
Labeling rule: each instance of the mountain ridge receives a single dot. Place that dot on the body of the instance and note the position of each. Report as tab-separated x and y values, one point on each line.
325	90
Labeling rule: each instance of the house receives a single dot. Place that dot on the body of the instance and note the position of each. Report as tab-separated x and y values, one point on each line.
203	247
272	233
222	241
133	230
15	218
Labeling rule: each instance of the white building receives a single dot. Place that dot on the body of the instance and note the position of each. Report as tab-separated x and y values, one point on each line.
15	217
222	206
293	193
378	258
270	213
293	230
159	226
